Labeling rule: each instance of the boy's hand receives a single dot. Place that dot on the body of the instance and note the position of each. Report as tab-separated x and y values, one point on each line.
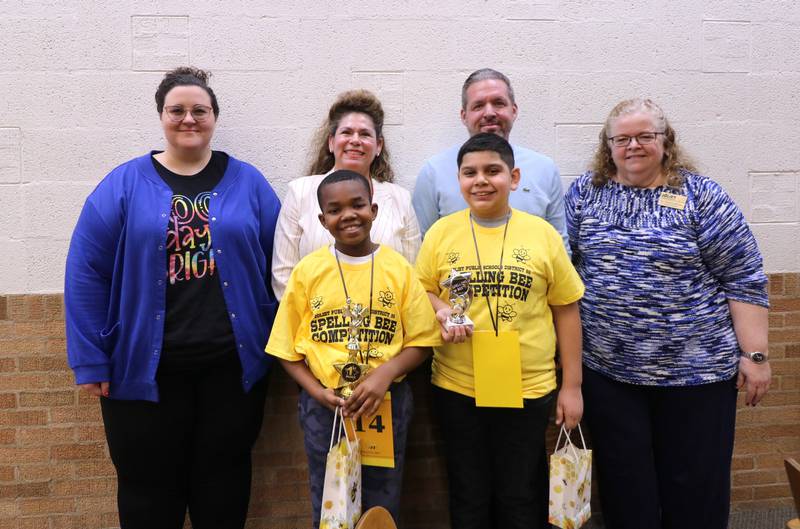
328	398
454	334
368	395
569	408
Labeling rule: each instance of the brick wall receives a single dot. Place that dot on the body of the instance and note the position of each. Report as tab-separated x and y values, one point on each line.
55	472
767	434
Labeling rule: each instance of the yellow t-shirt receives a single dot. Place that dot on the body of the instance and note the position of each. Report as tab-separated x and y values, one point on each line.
537	273
310	325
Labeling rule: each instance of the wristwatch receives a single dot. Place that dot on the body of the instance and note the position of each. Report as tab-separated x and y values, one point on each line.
757	357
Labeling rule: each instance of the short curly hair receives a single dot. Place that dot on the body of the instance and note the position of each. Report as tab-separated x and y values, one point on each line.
360	101
185	76
603	166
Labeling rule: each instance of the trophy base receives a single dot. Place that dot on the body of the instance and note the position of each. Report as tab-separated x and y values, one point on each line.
466	323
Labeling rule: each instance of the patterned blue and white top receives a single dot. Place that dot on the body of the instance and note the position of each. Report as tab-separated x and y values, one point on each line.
658	280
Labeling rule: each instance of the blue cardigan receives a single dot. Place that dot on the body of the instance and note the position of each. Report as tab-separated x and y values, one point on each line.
115	286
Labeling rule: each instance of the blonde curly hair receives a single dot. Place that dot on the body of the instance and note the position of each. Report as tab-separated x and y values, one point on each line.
363	102
603	167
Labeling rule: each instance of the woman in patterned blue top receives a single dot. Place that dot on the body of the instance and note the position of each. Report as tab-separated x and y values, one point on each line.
674	321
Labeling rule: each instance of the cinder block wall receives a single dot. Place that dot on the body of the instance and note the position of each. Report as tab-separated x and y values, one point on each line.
77	80
76	99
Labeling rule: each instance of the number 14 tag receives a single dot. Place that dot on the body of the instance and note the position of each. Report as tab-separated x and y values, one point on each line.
375	435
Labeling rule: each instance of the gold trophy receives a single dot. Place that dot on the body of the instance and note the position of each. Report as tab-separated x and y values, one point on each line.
353	371
460	297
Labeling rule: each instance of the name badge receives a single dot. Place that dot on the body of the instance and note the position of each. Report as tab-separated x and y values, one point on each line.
375	435
671	200
497	368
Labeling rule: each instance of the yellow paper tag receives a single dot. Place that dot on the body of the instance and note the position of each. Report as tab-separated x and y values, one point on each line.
375	435
497	368
671	200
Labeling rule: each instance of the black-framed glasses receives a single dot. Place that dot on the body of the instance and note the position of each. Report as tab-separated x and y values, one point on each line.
642	139
177	113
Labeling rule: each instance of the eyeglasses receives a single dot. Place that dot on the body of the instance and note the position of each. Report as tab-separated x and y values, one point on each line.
177	113
642	139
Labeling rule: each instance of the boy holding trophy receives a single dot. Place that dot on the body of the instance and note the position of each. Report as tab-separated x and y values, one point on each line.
494	378
353	321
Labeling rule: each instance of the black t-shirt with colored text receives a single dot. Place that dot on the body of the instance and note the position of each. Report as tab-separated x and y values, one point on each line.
197	331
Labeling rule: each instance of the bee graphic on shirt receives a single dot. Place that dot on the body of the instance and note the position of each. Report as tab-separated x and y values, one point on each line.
506	312
386	297
453	257
316	303
521	255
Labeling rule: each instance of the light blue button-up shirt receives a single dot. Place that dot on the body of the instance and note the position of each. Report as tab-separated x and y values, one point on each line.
436	193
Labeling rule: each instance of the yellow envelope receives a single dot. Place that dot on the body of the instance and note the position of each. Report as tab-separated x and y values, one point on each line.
375	435
497	369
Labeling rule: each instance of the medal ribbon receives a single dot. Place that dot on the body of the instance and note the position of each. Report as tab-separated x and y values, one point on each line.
496	316
347	298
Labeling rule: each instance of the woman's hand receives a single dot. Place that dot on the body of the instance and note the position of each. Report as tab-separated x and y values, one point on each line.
755	378
328	398
98	389
569	408
368	395
751	325
452	334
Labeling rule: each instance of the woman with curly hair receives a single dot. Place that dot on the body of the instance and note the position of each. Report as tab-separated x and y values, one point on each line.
168	327
674	321
351	138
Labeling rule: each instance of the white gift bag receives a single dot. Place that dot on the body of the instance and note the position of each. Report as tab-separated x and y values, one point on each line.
341	494
570	483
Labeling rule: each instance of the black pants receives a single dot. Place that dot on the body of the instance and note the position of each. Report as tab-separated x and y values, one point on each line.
496	462
190	449
663	454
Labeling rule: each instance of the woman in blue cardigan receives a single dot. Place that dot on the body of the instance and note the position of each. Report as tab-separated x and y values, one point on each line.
167	327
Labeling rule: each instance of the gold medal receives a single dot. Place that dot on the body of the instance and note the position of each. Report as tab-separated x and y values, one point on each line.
350	375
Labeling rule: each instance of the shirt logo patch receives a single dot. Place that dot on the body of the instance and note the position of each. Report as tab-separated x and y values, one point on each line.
386	297
521	255
506	312
316	303
453	257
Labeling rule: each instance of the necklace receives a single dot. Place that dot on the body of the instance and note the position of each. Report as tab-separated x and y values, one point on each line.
356	312
496	316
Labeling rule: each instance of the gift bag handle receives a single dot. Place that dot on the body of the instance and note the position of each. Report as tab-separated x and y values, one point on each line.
566	432
583	441
339	429
568	441
336	431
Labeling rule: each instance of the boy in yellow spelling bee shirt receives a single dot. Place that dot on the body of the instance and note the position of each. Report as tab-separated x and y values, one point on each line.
311	333
525	294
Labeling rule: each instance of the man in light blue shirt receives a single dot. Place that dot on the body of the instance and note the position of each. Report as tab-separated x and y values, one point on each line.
487	105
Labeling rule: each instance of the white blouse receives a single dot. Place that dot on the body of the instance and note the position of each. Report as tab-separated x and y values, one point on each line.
299	232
